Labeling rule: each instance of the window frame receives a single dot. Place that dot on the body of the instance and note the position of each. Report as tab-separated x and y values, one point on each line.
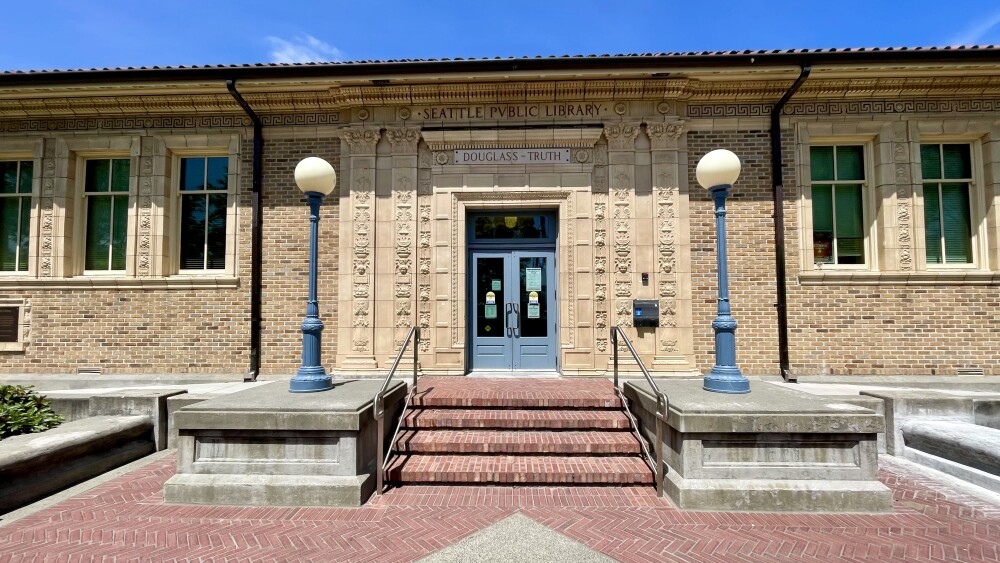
23	307
977	204
31	197
83	208
176	156
868	205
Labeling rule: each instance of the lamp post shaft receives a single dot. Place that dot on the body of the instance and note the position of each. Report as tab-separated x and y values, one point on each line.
725	376
312	376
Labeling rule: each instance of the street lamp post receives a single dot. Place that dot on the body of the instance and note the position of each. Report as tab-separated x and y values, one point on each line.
316	178
717	171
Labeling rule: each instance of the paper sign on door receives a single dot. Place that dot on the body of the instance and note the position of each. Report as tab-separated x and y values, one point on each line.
490	309
533	279
533	311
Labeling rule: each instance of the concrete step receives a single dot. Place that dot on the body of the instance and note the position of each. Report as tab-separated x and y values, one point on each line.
516	393
517	442
528	470
516	418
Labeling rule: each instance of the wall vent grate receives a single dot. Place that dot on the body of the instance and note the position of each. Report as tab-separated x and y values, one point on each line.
971	371
88	370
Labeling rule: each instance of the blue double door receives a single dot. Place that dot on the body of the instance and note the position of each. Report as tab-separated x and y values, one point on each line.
514	313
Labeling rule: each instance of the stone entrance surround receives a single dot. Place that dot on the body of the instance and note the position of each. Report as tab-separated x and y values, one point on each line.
621	199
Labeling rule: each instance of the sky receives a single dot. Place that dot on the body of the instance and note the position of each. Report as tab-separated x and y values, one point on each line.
64	34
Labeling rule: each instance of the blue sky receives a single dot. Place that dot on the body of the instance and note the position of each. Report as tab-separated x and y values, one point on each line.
48	34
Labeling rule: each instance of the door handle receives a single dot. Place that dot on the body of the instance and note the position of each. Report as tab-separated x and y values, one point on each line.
517	317
507	309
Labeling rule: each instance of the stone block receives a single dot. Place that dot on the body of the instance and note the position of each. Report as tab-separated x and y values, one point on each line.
130	402
33	466
266	446
174	404
773	449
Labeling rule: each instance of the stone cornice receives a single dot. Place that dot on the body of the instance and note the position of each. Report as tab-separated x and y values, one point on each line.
35	104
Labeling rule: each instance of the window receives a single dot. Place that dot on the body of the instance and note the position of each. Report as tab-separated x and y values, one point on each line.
15	214
204	193
106	193
838	179
947	175
15	324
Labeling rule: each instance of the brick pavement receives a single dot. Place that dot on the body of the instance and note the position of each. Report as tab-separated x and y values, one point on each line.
125	519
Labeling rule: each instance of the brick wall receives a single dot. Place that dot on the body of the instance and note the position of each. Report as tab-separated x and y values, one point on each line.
751	260
286	254
833	329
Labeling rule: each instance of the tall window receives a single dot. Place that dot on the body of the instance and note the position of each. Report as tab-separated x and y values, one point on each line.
106	190
947	175
204	186
838	177
15	214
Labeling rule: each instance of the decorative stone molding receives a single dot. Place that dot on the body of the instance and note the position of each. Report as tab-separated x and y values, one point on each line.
404	140
853	107
621	136
362	142
442	142
664	136
509	92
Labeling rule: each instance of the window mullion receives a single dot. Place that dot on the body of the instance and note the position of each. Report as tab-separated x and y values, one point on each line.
833	206
204	257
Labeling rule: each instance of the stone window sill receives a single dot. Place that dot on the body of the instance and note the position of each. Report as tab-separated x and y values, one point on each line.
936	277
84	282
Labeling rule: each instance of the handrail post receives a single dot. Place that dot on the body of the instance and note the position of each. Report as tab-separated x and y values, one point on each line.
416	351
380	428
658	447
614	353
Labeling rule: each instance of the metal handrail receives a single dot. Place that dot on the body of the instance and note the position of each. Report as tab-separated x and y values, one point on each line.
662	405
383	456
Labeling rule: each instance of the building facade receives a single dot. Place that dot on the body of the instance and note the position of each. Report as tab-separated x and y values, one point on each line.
513	209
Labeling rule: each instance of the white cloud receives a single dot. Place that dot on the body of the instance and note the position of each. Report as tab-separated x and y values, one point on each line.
303	49
972	34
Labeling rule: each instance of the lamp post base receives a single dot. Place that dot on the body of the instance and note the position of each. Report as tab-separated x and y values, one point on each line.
726	379
310	380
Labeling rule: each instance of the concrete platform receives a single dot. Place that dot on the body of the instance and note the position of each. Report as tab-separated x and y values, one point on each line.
771	450
268	447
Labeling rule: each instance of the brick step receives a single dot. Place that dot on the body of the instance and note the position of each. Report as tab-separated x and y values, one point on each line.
529	470
517	442
515	393
516	418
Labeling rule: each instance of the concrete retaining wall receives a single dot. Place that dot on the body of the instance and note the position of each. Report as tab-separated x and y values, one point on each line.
33	466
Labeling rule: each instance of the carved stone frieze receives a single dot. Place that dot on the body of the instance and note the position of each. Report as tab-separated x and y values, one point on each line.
668	345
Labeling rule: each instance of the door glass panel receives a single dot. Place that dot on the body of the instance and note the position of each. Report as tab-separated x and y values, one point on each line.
489	288
513	226
533	298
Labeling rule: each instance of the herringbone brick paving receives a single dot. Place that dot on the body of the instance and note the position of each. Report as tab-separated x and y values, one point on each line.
126	519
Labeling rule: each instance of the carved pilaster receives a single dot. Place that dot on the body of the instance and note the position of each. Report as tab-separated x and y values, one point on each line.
357	342
424	258
904	195
402	224
670	222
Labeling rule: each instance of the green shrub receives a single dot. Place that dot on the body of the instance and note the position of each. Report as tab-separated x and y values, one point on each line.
23	412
